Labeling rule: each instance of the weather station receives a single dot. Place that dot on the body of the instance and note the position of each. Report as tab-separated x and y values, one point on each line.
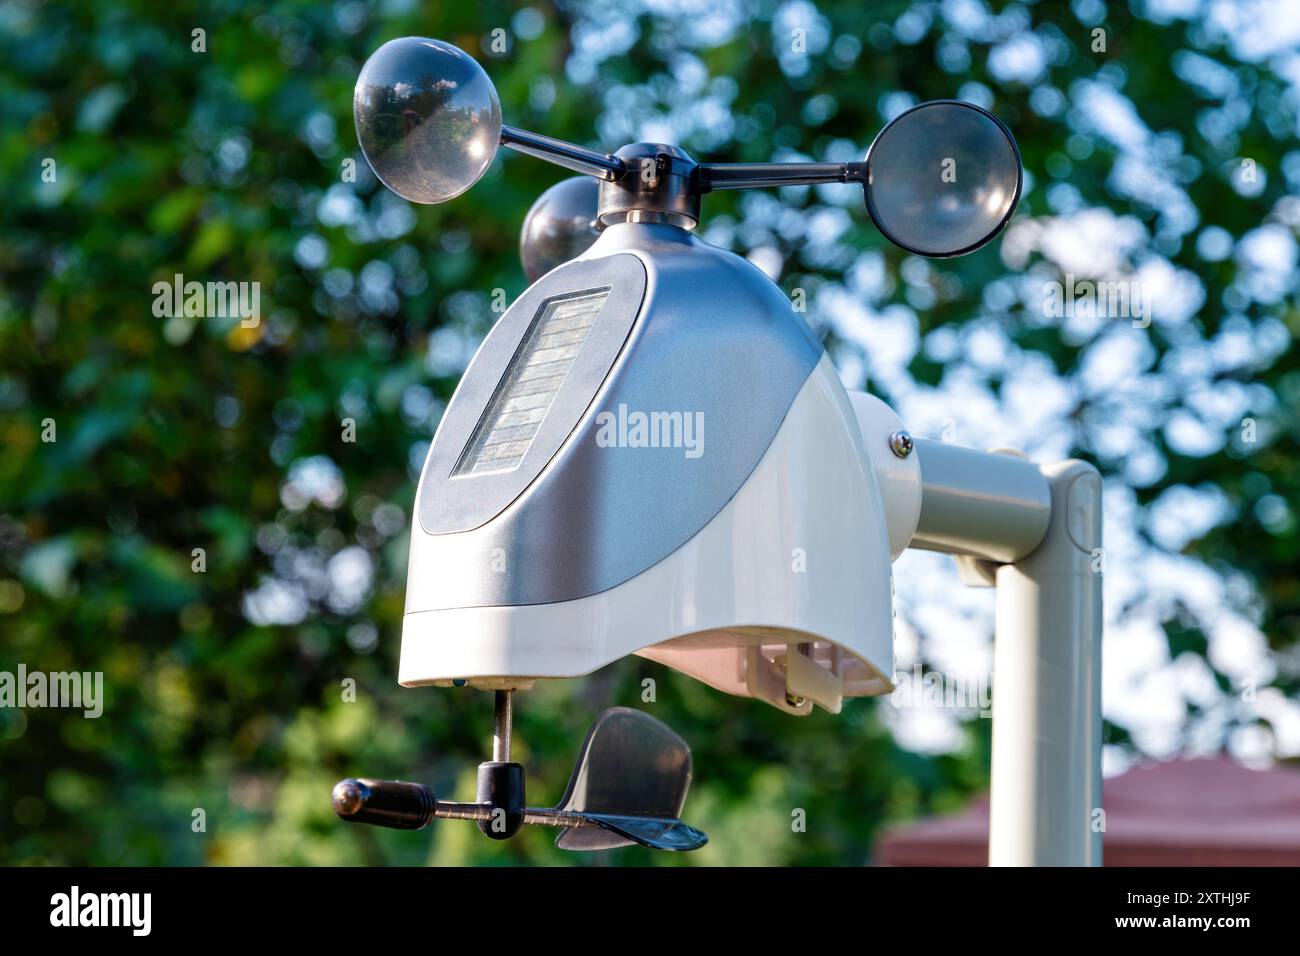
548	542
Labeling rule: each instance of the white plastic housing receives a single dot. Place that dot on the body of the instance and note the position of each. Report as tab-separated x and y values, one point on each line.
800	556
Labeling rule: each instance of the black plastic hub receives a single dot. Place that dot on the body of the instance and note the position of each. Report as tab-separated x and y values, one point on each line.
501	790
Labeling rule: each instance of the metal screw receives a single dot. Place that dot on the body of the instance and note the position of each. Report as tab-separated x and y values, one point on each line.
900	443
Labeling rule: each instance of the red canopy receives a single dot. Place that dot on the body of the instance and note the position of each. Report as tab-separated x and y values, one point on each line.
1196	812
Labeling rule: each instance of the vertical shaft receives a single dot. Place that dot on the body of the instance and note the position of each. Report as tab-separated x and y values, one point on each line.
1046	787
501	731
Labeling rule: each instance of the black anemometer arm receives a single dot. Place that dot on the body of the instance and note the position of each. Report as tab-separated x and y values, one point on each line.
569	155
759	175
706	177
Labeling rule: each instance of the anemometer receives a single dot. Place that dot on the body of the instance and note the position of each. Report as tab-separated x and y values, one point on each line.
652	454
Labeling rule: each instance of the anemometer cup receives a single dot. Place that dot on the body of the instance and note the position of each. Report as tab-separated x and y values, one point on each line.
560	226
427	117
943	178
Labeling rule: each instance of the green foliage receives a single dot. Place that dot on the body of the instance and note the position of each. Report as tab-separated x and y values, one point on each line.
176	434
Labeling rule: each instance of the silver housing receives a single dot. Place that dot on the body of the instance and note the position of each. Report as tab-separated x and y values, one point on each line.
687	328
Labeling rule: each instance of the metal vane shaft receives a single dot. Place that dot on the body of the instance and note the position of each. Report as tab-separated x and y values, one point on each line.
543	816
501	731
412	806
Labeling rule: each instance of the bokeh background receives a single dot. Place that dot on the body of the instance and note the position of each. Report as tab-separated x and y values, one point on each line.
1168	158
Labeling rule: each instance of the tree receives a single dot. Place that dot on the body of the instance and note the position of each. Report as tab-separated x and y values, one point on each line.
284	445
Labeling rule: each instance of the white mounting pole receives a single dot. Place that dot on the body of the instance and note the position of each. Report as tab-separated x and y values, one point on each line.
1036	534
1046	783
